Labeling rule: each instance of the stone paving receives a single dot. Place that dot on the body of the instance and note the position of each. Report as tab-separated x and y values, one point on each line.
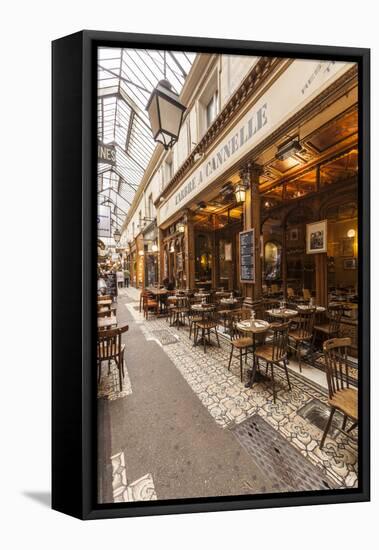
230	403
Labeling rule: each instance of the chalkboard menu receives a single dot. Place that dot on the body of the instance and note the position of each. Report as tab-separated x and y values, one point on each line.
247	256
111	282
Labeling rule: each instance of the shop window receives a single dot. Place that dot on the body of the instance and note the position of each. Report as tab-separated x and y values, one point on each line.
150	207
169	169
208	104
211	109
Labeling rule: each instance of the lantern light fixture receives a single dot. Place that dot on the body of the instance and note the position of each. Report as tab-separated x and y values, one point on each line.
116	236
181	227
351	233
165	113
154	247
240	192
141	253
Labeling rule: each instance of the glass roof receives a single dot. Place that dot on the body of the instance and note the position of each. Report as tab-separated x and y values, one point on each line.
126	78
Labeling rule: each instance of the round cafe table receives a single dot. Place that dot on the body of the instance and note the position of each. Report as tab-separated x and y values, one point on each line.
257	326
284	314
106	322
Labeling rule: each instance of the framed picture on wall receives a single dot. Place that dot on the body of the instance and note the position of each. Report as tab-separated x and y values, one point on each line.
317	237
350	263
159	404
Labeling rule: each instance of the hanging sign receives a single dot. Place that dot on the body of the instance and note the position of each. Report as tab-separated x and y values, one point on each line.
103	221
106	153
247	256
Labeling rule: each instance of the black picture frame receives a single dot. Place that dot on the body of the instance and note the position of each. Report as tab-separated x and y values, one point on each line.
74	421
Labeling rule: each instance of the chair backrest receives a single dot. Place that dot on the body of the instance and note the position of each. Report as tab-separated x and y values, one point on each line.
109	342
336	366
275	288
334	315
290	292
306	294
280	341
236	316
306	321
104	297
105	313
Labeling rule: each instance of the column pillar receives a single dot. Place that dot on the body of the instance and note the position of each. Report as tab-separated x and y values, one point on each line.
252	220
321	269
189	249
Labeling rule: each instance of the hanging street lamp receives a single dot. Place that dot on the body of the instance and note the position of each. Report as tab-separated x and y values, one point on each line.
165	113
116	236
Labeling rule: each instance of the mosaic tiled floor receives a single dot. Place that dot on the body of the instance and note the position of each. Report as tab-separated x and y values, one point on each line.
109	386
123	491
229	402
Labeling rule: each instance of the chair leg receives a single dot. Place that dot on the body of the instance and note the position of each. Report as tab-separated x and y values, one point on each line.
287	374
120	376
344	422
204	342
273	381
298	349
241	363
99	372
231	355
327	427
218	341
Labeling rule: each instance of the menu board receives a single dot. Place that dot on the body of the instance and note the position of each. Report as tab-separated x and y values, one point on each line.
247	256
111	282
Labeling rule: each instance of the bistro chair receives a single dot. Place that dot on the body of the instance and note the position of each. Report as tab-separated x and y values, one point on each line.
302	333
110	347
244	344
275	353
307	294
181	310
193	316
331	328
341	397
207	323
105	313
149	304
104	297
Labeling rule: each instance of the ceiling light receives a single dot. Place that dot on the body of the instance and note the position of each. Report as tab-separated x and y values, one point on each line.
288	149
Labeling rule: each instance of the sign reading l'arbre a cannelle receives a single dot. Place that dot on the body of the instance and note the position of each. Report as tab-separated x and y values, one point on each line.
295	87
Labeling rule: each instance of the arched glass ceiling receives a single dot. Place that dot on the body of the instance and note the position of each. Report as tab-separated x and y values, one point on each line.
126	78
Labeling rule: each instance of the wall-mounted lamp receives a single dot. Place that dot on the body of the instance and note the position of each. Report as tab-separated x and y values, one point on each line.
351	233
141	253
240	192
180	227
154	247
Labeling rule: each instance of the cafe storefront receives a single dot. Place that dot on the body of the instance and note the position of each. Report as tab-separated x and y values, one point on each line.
276	167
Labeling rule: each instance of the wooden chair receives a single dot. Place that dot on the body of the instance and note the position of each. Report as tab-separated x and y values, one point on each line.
105	313
306	294
275	353
341	397
149	304
205	325
331	329
303	332
104	297
241	342
110	347
193	316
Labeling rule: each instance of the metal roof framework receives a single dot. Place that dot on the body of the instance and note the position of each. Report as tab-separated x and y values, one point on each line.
126	78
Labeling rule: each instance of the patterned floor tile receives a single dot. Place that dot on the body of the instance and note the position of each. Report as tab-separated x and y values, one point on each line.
229	403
